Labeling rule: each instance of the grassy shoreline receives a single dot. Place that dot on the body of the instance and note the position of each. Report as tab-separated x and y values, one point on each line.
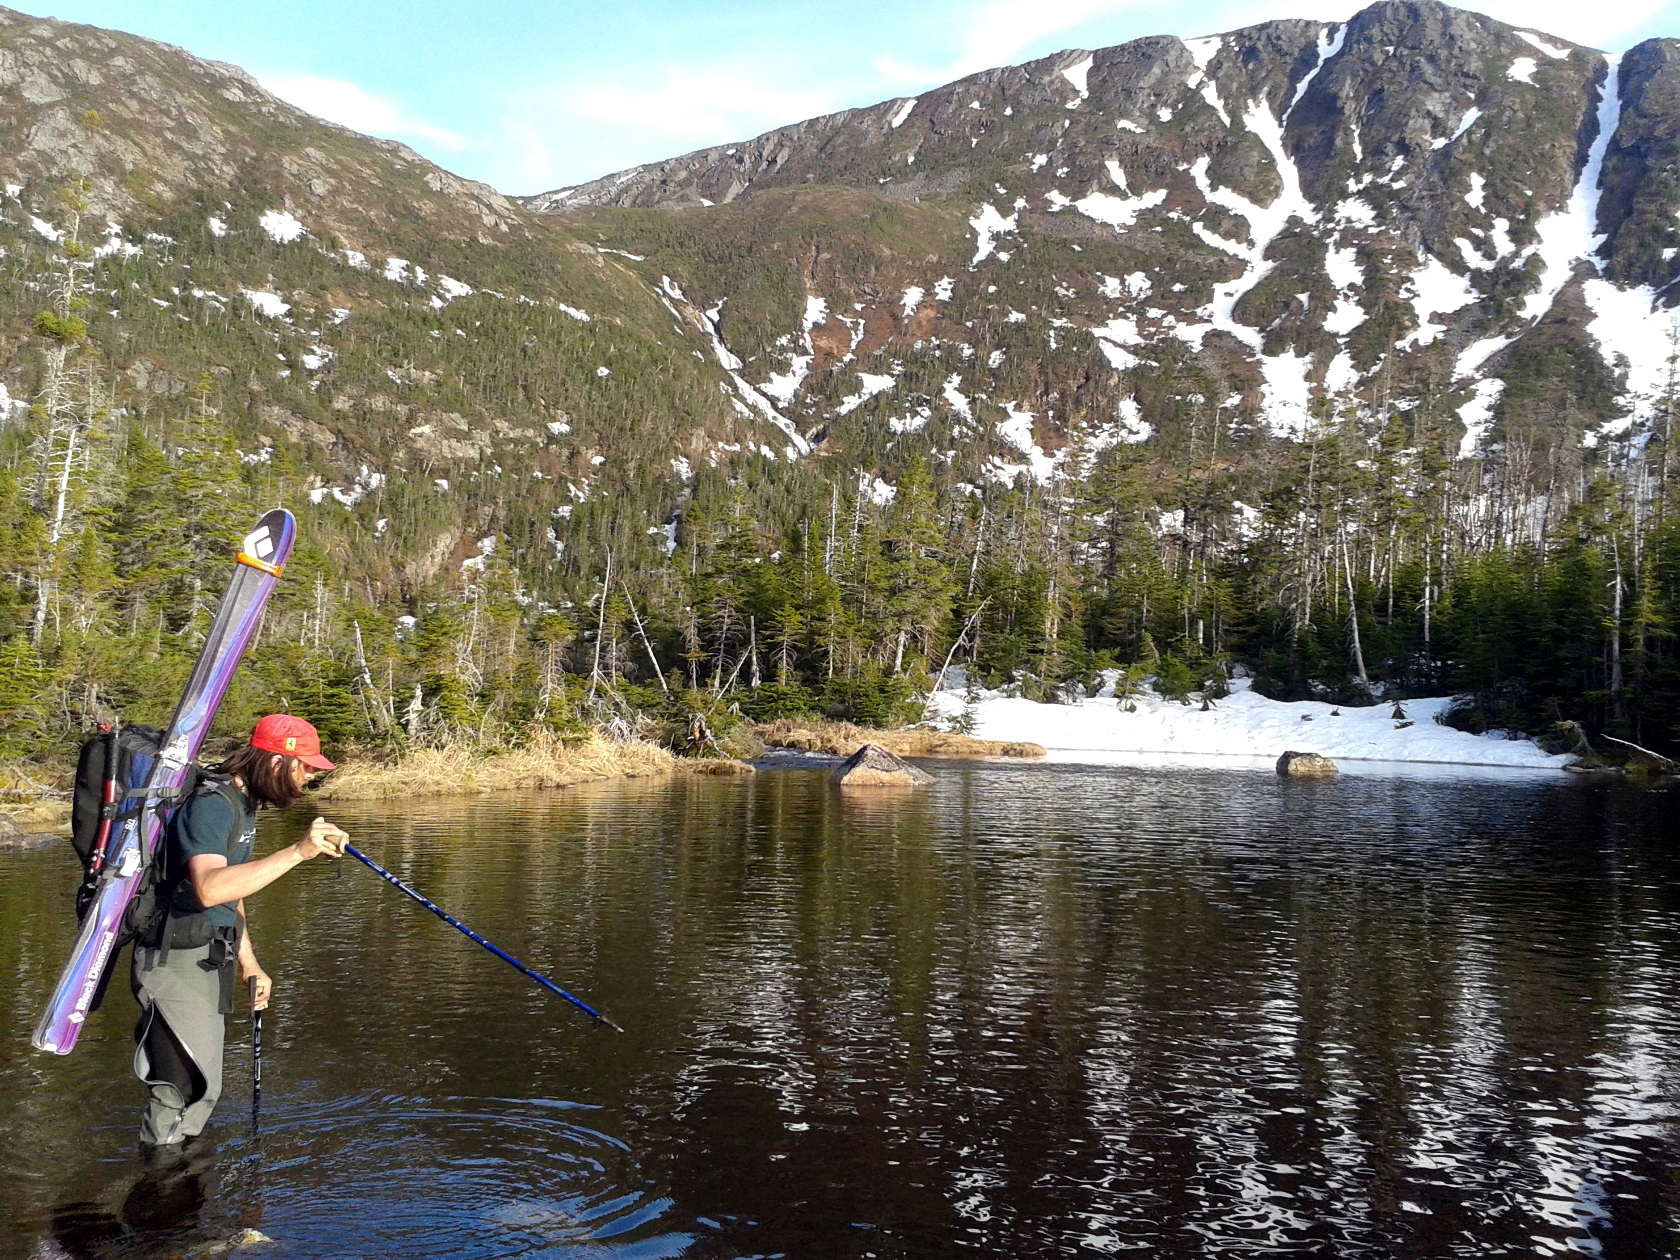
545	763
843	739
31	796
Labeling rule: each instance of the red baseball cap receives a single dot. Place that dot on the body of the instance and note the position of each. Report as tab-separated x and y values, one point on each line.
292	736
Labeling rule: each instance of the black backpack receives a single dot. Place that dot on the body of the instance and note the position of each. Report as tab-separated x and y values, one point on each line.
106	796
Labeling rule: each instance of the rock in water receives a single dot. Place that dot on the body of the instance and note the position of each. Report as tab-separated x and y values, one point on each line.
14	837
874	766
1305	765
227	1246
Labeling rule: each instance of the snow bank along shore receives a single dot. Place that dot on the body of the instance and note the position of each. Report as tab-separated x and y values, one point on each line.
1244	724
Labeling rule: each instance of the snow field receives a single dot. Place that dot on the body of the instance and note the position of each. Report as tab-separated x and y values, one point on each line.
1245	724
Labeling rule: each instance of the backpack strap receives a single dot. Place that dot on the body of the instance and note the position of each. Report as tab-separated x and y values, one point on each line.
117	811
210	783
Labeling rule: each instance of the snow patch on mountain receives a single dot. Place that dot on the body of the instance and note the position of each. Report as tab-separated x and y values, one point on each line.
1464	124
1471	358
1265	224
1077	74
873	383
1435	289
1118	212
1112	339
988	225
281	227
1287	393
782	386
116	245
1551	50
1017	430
956	398
1201	52
269	305
750	397
1633	333
1571	233
1477	415
1133	427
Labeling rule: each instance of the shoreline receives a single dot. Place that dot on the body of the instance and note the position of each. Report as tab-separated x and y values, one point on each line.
842	739
545	764
1153	732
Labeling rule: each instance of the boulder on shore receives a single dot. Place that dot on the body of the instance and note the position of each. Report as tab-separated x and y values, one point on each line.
1305	765
874	766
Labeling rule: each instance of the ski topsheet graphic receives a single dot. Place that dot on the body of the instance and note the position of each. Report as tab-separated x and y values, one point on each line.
262	556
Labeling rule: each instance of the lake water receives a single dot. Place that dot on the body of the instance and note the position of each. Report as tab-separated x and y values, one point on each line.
1029	1011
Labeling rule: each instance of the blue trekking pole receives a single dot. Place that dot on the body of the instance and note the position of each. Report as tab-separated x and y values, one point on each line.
466	931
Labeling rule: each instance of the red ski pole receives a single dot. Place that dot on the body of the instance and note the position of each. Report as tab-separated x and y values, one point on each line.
96	860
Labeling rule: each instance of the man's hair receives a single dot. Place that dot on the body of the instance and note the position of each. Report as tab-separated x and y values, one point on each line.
267	776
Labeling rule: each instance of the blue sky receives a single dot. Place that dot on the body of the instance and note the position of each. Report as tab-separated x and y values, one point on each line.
532	96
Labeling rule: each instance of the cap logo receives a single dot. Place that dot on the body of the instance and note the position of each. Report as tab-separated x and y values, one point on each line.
291	743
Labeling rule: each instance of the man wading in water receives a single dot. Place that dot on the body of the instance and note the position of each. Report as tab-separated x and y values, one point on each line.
185	981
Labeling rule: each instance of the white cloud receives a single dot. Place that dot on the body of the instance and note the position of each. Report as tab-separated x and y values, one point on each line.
548	137
1596	26
350	105
998	35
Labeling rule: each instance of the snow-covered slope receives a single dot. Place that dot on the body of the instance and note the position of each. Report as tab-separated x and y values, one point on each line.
1422	204
1244	724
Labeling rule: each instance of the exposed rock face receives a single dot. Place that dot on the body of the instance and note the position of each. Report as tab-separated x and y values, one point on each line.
874	766
1305	765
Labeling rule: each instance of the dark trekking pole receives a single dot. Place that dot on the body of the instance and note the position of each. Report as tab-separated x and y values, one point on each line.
256	1056
466	931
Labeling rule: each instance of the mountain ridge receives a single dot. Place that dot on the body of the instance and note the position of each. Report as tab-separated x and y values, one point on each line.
1536	122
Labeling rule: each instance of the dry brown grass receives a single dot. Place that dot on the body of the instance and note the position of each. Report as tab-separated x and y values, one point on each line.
50	817
843	739
34	798
715	767
546	762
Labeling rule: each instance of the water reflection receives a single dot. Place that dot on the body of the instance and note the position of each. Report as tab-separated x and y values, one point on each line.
1031	1010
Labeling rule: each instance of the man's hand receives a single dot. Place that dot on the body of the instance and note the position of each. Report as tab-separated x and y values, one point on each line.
321	838
249	967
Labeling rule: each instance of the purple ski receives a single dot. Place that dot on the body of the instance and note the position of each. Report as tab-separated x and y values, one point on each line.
261	558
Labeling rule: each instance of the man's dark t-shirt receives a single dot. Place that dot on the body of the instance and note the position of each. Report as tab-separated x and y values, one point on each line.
207	824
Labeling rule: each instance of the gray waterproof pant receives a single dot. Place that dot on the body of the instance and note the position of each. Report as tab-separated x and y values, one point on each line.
178	1042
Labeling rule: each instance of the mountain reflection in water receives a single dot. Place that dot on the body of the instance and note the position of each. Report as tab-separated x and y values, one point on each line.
1030	1010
